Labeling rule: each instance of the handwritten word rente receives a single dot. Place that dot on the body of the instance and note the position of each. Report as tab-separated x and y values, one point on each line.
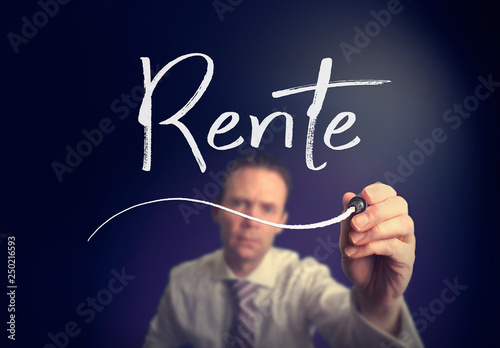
258	128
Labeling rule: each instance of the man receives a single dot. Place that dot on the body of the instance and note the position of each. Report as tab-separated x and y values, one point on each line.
251	294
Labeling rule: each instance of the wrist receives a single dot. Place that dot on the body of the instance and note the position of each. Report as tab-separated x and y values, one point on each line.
384	314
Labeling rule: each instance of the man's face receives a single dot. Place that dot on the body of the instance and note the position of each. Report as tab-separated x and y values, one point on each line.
257	192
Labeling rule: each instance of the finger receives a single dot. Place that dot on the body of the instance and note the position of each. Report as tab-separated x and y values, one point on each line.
393	248
377	213
400	227
378	192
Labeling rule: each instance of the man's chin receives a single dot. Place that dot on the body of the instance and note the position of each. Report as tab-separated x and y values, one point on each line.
248	253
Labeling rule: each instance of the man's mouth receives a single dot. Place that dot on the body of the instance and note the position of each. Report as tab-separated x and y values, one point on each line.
247	240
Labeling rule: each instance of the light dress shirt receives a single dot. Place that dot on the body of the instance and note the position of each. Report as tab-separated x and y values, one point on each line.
295	297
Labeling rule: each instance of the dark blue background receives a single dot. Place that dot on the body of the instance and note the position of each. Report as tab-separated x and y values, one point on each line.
66	78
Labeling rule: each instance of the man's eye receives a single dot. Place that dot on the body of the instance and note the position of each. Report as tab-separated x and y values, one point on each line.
268	209
237	203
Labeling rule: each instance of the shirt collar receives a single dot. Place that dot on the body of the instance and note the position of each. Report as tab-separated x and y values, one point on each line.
264	274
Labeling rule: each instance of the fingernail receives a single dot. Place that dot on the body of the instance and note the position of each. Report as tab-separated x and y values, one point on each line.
351	250
360	221
356	237
371	191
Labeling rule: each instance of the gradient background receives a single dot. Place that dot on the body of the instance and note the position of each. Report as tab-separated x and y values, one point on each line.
66	78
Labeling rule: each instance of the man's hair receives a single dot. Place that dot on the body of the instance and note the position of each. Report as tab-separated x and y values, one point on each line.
258	160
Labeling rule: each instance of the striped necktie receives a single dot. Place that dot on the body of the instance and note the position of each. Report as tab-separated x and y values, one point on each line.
242	329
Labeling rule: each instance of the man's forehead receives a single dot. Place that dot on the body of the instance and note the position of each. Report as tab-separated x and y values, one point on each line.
257	181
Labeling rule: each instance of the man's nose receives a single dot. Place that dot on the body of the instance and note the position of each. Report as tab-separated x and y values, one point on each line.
251	211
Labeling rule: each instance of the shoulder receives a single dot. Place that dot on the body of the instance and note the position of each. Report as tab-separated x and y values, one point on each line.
197	269
291	259
290	264
307	278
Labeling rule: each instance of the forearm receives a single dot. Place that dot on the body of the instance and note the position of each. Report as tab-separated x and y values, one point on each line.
385	316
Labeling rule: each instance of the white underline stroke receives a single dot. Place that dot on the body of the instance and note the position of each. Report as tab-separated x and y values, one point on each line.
325	223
